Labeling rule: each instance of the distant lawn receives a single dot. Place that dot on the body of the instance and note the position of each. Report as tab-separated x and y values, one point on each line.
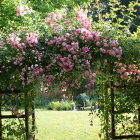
66	125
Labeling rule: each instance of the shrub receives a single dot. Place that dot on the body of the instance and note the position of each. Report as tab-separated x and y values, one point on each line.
60	105
43	102
82	98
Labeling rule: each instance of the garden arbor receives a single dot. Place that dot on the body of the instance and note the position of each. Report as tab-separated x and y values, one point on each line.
68	53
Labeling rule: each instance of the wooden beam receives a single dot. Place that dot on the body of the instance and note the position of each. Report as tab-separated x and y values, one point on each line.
127	137
11	116
9	91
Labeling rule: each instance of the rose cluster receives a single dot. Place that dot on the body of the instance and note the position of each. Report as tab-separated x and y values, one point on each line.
23	10
128	71
53	18
84	20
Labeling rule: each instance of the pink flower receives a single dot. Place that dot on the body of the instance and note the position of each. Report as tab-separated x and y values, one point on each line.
86	73
94	75
89	56
73	52
76	81
120	70
32	39
30	81
22	10
111	52
48	20
63	83
124	65
68	70
23	83
36	65
105	45
77	31
91	84
103	50
52	14
49	79
74	57
33	51
123	76
68	22
98	43
114	43
46	40
118	64
118	56
23	69
1	43
97	38
87	63
72	85
85	49
64	44
126	74
29	68
133	66
82	37
138	72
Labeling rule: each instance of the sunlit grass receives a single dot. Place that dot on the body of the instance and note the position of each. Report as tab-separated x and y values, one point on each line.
66	125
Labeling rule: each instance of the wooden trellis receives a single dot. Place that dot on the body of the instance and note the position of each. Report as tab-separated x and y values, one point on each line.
24	116
113	113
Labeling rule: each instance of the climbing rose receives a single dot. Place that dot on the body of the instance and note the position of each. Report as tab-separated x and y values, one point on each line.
22	10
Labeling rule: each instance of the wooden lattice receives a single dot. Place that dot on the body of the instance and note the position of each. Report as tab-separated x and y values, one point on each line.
113	119
24	116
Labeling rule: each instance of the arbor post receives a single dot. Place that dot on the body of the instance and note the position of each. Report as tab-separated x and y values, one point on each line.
26	117
0	118
139	117
112	112
33	120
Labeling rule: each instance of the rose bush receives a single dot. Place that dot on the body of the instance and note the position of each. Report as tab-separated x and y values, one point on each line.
68	55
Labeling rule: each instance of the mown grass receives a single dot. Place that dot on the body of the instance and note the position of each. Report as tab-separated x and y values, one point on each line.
66	125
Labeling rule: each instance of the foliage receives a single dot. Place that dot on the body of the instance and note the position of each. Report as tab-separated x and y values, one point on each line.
51	5
41	103
61	105
18	132
7	14
124	12
82	99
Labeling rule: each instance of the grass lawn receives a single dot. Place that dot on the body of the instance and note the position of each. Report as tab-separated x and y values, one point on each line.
66	125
